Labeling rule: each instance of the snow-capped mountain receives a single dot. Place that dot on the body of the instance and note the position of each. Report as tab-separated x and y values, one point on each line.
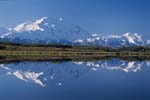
126	39
148	42
49	30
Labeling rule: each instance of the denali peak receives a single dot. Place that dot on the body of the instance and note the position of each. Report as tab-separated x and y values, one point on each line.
47	30
57	30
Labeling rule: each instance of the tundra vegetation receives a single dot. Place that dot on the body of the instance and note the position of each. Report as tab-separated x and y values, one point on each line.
14	51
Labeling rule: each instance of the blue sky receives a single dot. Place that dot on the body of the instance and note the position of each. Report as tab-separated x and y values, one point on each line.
100	16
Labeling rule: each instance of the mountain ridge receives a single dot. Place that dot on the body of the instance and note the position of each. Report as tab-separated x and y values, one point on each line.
48	30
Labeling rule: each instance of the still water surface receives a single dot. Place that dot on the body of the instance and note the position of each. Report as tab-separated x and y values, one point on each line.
113	79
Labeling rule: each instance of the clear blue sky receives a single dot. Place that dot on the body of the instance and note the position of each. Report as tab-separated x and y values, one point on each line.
101	16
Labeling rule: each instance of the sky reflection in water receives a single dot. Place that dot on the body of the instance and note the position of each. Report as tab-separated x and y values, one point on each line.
76	80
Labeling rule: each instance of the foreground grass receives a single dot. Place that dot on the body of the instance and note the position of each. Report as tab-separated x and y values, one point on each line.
29	52
9	56
72	53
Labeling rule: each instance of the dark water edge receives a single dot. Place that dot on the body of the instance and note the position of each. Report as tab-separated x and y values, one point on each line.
10	59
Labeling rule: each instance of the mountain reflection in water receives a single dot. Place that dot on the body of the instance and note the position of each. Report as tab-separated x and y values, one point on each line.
42	73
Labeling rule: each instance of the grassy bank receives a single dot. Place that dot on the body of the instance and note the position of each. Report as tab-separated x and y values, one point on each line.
52	52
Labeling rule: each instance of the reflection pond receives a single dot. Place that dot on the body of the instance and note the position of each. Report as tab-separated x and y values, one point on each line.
113	79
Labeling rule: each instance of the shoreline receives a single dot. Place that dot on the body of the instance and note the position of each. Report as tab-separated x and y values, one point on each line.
8	56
